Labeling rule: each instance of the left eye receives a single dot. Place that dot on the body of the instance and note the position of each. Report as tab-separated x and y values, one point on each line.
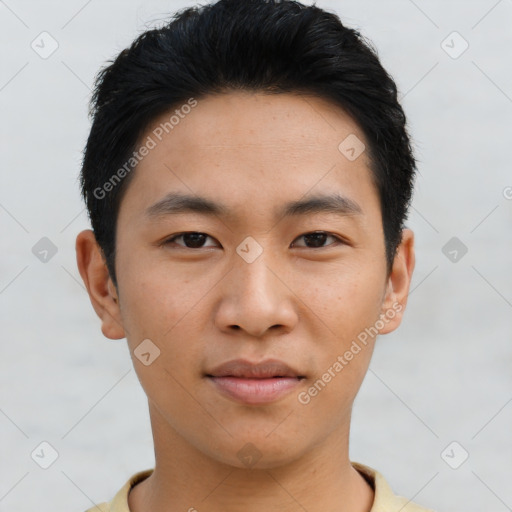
318	238
195	239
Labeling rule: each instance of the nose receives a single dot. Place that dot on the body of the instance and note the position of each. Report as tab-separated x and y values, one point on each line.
255	298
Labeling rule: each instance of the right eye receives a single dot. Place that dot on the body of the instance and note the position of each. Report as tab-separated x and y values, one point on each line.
191	239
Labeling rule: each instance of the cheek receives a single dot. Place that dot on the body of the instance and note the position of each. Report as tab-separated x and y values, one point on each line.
345	300
164	311
345	310
162	303
157	298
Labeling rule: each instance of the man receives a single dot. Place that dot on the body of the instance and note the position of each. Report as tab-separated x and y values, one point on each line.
247	176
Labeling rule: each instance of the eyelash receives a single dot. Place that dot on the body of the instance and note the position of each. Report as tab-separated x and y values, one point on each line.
173	238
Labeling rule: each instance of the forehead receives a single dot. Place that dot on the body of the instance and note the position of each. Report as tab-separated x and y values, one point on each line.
252	150
255	118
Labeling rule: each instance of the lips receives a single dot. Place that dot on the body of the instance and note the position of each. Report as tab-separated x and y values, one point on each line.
245	369
254	383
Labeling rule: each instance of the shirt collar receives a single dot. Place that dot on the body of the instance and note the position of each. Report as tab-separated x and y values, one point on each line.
384	500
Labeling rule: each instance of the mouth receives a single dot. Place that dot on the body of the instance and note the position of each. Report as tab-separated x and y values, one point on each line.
255	384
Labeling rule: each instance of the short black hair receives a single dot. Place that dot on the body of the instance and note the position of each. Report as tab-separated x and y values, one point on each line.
269	46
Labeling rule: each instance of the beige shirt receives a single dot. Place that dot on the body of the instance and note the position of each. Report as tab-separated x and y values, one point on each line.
385	500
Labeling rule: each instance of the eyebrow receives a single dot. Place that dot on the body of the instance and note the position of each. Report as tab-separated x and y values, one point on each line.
179	203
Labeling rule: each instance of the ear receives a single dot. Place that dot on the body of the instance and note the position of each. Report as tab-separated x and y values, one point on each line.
101	290
397	289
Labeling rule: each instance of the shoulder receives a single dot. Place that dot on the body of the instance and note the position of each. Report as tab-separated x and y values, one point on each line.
385	499
119	502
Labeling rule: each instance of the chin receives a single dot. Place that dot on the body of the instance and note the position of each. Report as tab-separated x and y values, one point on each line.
257	451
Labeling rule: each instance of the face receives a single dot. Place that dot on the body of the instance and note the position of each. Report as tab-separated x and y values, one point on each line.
249	275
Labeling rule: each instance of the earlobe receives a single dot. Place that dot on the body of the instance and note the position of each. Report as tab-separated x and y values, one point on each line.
399	282
102	293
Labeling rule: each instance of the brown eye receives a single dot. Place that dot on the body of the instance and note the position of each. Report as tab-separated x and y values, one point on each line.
192	240
318	238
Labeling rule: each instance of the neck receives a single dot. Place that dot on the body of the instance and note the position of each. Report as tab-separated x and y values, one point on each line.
186	479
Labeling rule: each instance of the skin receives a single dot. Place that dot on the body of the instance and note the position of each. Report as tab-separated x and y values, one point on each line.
298	302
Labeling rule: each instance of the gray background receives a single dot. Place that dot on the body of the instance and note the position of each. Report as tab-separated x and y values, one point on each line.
443	376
